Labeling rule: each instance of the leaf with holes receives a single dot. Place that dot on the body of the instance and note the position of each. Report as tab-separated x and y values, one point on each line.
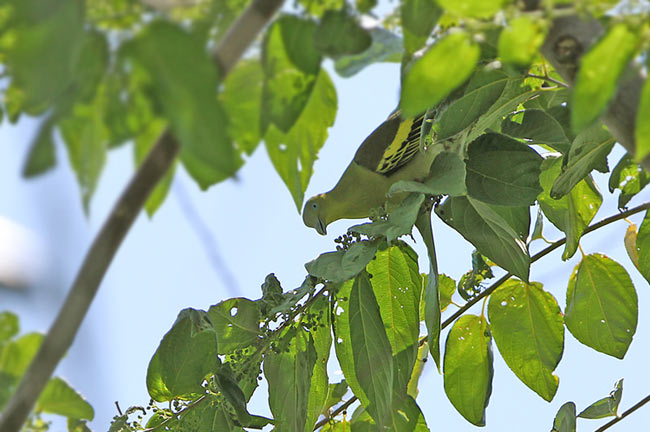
602	305
468	368
237	323
528	329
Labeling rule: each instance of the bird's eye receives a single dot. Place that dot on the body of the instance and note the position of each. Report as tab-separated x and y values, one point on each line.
314	205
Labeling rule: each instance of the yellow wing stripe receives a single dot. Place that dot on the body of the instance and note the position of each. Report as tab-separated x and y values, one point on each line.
403	147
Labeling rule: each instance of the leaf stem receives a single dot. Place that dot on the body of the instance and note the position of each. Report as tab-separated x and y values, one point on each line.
549	79
612	422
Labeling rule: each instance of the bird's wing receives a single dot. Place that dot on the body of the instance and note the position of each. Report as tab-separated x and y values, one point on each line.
392	145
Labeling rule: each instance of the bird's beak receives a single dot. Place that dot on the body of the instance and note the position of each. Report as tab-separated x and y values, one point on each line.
321	228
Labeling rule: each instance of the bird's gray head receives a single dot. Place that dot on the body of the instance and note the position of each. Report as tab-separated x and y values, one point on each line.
312	214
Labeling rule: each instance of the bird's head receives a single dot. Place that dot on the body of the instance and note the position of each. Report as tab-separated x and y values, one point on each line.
312	214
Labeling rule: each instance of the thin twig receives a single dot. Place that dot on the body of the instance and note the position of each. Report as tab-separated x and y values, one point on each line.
549	79
500	282
612	422
64	329
336	412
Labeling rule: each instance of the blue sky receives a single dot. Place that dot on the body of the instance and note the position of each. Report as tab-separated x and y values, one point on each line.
162	268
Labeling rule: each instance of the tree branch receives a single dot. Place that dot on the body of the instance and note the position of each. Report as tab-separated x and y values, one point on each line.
501	281
84	288
613	421
569	38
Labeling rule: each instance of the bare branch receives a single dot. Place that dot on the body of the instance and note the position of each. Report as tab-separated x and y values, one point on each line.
64	329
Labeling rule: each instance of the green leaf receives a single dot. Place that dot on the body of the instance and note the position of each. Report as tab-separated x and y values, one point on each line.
335	393
472	8
629	177
17	354
42	156
241	99
186	354
431	297
365	6
195	116
468	367
343	341
210	415
600	70
291	64
502	171
439	71
76	425
289	376
446	176
418	19
9	327
642	130
447	289
515	93
473	104
565	419
520	40
400	221
236	322
41	47
538	127
588	151
144	142
342	265
489	232
528	329
293	154
339	33
602	305
518	218
59	398
385	47
319	7
573	212
643	247
396	283
371	349
86	138
319	389
605	407
229	388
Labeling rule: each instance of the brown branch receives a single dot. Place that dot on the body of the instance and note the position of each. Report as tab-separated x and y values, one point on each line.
613	421
501	281
64	329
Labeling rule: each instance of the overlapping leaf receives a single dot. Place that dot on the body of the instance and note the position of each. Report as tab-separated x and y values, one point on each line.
573	212
186	354
489	232
502	171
